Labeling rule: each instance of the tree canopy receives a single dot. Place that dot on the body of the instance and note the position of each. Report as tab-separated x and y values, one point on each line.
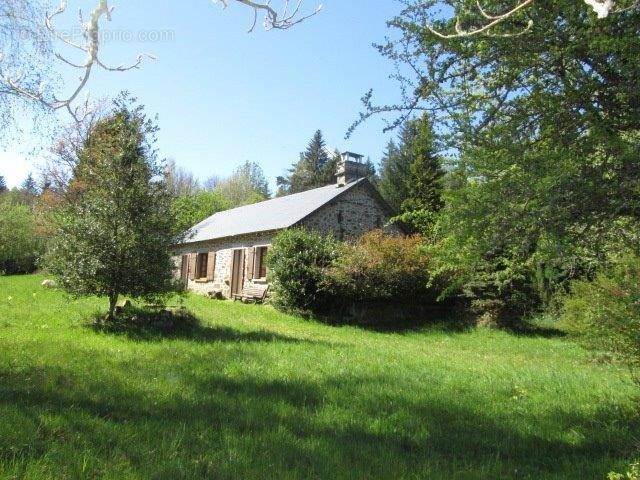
315	168
115	228
543	127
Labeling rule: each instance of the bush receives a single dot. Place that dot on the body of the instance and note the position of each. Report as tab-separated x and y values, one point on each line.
20	246
605	313
297	269
312	274
381	267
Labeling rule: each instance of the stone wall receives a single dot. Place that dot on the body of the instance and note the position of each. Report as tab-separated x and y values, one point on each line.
352	215
224	255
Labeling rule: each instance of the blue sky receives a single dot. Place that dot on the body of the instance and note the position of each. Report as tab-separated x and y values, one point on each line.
224	96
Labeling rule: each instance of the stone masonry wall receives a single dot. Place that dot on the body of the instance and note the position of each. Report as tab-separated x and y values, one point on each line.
351	216
224	254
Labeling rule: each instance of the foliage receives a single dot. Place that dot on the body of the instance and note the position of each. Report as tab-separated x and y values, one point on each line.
189	210
395	168
633	473
180	182
545	130
29	186
535	85
114	231
315	168
246	185
3	184
20	244
522	228
424	199
297	268
312	274
420	404
605	313
380	267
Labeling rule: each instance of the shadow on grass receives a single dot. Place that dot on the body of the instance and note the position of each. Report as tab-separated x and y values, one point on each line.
393	317
179	324
532	330
251	427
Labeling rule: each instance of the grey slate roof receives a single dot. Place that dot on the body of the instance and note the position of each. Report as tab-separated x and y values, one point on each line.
274	214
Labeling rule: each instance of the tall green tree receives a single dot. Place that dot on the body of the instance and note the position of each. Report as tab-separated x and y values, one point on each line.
545	125
246	185
114	231
189	210
315	168
20	244
395	167
29	186
425	182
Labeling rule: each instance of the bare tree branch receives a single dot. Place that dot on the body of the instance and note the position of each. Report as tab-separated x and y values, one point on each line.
273	20
602	8
90	46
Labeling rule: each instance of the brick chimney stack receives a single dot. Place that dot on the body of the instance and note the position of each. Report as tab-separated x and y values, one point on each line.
350	168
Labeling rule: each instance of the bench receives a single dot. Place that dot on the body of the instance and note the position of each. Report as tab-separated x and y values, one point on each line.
253	294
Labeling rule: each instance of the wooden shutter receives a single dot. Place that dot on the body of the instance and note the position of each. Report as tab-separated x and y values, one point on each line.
184	268
193	259
251	253
211	266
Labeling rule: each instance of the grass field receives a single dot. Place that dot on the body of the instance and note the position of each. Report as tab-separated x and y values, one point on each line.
252	393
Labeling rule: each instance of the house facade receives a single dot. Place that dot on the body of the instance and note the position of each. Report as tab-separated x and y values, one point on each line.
226	252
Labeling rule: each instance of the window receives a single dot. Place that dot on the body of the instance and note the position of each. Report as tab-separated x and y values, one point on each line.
201	265
261	262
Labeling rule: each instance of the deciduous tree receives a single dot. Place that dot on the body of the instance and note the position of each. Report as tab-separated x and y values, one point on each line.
114	232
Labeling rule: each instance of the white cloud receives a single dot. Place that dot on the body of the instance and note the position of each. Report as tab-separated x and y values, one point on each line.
15	167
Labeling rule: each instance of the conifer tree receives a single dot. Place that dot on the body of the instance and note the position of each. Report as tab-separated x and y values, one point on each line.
3	184
315	168
29	186
395	167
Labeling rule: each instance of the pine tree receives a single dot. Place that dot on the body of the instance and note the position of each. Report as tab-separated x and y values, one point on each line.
315	168
372	174
395	167
29	186
3	184
425	181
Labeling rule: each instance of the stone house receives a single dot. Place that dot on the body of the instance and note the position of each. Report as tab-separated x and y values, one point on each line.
226	252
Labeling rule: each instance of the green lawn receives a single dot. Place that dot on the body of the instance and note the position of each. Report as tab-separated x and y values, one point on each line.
253	393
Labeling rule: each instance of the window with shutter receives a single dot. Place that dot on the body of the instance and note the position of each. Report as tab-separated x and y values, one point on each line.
261	262
201	266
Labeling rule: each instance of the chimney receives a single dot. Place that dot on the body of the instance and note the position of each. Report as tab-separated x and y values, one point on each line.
350	168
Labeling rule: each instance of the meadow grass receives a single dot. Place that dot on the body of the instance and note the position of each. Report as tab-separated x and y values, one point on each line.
254	393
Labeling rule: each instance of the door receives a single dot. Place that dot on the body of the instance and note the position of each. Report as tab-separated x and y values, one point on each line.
237	272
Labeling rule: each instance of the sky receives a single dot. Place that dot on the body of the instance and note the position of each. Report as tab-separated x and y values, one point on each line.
224	96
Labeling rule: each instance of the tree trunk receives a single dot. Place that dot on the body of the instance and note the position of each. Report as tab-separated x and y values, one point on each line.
113	300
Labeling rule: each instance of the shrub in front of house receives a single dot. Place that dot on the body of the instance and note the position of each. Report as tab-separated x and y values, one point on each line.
605	313
317	275
298	262
381	267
